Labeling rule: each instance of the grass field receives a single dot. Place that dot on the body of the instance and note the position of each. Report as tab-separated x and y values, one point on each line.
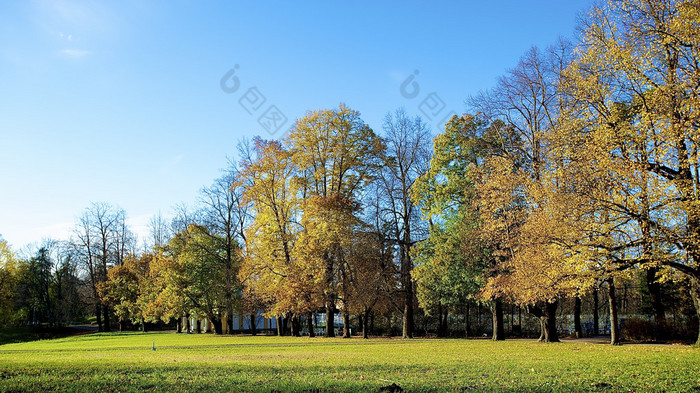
207	363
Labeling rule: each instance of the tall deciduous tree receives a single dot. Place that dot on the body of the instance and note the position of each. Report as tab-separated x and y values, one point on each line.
225	216
528	102
454	261
636	86
408	155
270	268
101	240
337	155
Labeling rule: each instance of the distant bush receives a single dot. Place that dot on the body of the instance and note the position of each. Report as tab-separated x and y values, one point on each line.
637	329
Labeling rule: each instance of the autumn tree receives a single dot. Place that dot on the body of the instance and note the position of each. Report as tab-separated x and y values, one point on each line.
128	290
336	155
270	270
635	83
527	101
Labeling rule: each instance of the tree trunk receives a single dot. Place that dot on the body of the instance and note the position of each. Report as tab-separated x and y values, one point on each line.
121	325
105	313
310	324
365	325
198	326
596	318
280	328
408	306
499	333
695	295
295	325
478	318
614	330
98	316
330	319
218	325
253	320
577	318
188	323
550	322
467	324
657	305
178	325
346	324
143	326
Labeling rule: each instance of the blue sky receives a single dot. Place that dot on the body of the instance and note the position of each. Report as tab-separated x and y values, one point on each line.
122	102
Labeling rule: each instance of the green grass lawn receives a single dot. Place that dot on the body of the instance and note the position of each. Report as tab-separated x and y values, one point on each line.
200	363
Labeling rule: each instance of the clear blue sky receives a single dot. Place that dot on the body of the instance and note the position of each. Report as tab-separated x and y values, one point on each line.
121	101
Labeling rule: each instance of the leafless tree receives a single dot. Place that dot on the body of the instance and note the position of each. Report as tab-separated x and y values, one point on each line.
408	142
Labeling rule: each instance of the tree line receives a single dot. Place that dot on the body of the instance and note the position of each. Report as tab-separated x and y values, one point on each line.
578	171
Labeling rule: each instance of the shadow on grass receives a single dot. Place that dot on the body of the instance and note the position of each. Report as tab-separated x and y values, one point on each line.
20	335
17	335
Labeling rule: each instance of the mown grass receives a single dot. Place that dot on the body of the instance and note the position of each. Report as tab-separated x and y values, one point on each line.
206	363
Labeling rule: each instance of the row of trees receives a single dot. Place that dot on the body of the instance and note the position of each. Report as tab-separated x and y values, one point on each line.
579	168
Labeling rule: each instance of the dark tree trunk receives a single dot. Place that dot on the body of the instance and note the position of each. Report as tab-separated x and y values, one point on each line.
499	333
143	326
695	295
407	321
253	321
98	316
229	323
105	313
596	317
294	321
330	319
280	328
346	324
310	324
467	324
198	326
657	305
121	325
577	318
217	323
407	284
614	330
178	325
365	324
478	318
188	323
550	322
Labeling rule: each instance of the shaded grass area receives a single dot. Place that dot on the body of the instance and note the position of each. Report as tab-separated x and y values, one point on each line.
17	335
126	362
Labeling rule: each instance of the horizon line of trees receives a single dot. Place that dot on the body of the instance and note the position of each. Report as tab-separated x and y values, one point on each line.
579	171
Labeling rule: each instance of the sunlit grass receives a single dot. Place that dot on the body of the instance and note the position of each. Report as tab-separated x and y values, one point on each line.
126	362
